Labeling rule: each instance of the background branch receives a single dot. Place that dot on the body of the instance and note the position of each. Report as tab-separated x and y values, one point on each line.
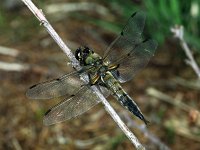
179	33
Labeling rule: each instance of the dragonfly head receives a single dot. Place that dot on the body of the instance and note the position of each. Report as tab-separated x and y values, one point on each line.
82	53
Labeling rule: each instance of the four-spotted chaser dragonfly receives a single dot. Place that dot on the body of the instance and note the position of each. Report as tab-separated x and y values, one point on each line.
125	56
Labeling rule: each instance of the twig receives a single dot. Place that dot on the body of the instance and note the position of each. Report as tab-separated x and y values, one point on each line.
164	97
16	144
13	66
179	33
8	51
192	84
79	6
38	13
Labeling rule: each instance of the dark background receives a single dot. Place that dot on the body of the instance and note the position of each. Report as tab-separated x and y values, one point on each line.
167	90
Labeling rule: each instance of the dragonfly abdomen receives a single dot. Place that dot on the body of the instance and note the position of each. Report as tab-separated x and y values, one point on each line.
129	104
124	99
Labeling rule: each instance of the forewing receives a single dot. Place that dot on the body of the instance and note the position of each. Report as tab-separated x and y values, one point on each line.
65	85
82	101
136	60
129	51
129	38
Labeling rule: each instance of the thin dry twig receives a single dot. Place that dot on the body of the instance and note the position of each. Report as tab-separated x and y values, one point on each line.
16	144
6	66
166	98
179	33
8	51
79	6
40	16
13	66
192	84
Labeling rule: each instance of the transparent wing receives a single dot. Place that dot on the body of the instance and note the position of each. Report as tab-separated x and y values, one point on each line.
129	37
136	60
82	101
65	85
103	90
128	50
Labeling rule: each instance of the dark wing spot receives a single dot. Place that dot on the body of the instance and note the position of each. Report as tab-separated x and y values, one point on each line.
133	14
72	95
122	33
47	112
128	54
58	79
33	86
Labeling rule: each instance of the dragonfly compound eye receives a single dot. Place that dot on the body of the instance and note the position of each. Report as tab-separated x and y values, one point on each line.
78	54
86	50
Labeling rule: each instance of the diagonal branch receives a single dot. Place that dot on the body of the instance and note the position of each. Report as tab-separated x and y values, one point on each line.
40	16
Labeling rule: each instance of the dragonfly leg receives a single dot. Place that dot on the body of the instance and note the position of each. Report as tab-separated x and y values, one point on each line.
94	79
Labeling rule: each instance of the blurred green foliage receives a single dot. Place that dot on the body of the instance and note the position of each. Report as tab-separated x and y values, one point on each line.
1	19
161	16
114	142
161	113
171	135
39	113
15	27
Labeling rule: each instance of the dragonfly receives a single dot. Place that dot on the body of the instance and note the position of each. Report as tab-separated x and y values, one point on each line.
125	56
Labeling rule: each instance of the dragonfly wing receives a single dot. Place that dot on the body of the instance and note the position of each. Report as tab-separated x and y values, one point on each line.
82	101
129	37
129	51
65	85
136	60
103	90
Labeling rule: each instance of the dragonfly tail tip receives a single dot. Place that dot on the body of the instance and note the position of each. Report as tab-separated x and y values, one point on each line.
146	121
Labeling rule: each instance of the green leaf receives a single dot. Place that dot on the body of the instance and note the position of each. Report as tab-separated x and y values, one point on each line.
175	9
